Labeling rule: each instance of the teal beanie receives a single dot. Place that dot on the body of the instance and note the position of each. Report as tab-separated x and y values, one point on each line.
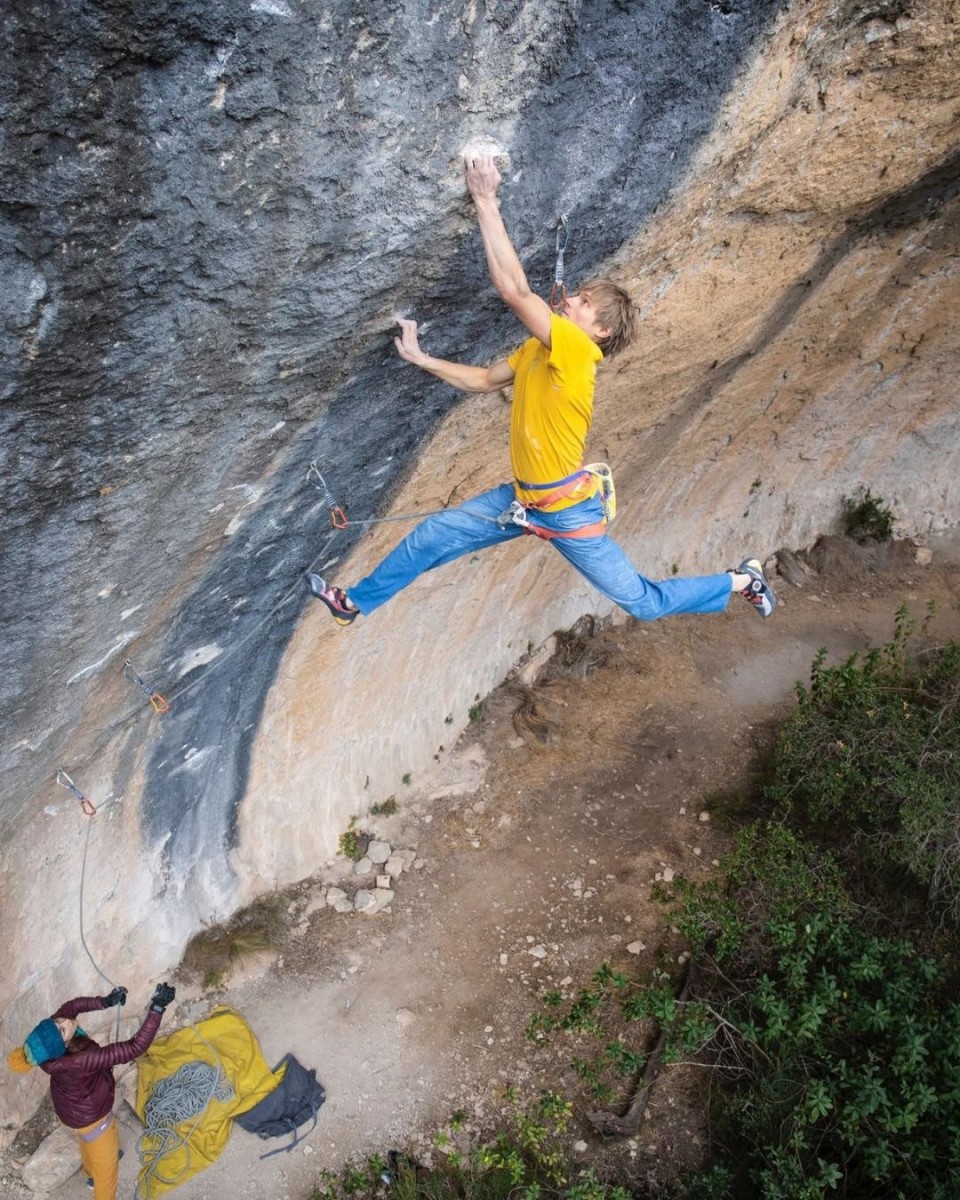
45	1041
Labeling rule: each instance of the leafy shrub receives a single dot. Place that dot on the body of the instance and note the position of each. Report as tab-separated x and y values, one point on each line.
866	516
353	844
840	1048
835	1044
385	808
869	757
524	1160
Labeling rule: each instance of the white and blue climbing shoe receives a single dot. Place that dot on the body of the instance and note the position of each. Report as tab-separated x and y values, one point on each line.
758	591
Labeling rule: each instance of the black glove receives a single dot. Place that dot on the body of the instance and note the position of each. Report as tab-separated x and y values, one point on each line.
163	996
117	997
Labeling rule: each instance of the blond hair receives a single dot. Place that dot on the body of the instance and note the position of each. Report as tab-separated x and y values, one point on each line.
614	311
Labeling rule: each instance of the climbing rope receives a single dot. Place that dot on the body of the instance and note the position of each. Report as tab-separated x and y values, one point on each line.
174	1100
558	291
83	938
340	520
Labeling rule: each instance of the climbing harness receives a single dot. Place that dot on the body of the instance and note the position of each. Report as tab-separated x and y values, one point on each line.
558	292
160	705
516	514
88	808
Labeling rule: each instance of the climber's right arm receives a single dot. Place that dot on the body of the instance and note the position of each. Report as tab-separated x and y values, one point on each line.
458	375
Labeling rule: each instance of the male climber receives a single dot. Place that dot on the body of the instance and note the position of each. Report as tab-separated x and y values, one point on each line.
553	375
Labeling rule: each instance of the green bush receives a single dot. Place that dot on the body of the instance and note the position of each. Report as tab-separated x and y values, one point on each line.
867	517
524	1160
836	1046
840	1047
869	758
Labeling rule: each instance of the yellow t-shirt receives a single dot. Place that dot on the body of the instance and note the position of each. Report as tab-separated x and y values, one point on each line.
552	410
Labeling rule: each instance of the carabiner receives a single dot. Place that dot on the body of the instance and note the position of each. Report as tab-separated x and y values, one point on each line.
87	807
558	292
516	514
160	705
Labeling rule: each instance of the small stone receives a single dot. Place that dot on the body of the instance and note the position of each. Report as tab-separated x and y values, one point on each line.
395	866
697	851
668	874
923	556
504	959
363	866
537	952
580	1147
635	947
365	901
335	896
704	817
379	852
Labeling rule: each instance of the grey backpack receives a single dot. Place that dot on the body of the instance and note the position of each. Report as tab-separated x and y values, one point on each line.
296	1100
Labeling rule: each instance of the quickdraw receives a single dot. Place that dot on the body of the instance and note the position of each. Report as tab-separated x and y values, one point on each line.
88	808
338	518
159	703
558	292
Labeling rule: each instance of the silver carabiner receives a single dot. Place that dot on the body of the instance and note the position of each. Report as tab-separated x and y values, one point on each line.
516	514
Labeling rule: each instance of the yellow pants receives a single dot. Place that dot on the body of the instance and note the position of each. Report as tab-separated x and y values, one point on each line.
101	1158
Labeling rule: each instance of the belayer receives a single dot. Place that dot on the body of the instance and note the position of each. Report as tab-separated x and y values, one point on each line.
553	376
81	1076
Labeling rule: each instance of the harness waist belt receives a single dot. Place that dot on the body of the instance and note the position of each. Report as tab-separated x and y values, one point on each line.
91	1135
597	529
562	488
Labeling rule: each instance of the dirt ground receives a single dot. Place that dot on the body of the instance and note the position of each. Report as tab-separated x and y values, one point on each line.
539	840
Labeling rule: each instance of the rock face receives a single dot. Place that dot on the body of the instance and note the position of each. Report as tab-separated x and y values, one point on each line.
210	215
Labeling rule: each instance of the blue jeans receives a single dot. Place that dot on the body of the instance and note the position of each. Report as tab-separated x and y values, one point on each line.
472	526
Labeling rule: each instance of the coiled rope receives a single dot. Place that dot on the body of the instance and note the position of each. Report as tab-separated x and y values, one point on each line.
174	1100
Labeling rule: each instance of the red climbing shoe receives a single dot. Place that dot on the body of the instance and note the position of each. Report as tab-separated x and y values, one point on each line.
758	591
334	598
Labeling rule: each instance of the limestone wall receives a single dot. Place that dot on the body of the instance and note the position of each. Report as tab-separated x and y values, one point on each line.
204	269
